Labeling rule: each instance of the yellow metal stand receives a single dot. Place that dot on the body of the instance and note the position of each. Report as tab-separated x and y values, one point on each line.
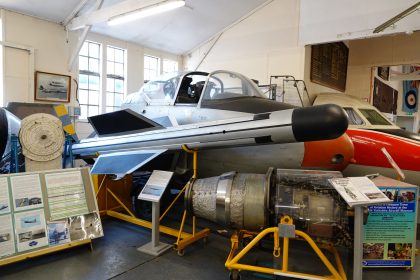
183	238
232	262
44	251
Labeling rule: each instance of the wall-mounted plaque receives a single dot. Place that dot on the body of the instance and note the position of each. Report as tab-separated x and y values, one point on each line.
329	65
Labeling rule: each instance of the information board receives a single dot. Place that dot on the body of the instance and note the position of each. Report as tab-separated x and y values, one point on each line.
45	209
155	186
389	237
329	65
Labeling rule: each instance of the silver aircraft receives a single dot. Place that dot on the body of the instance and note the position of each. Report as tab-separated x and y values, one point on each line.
198	97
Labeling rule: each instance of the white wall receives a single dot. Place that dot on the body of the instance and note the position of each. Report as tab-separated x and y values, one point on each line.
52	49
331	20
384	51
264	44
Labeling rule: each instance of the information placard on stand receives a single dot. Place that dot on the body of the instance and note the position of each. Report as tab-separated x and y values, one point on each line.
358	192
153	191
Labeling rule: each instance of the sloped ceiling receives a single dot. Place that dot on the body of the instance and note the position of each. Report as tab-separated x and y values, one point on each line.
177	31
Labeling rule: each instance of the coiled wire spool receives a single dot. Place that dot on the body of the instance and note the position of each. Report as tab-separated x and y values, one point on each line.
42	138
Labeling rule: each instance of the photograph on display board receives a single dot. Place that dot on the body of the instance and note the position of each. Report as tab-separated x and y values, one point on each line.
400	251
7	241
58	233
87	226
4	196
26	192
30	230
373	251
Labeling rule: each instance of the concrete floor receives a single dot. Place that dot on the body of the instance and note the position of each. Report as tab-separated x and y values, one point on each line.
115	257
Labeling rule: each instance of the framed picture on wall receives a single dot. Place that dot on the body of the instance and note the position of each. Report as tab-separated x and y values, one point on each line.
52	87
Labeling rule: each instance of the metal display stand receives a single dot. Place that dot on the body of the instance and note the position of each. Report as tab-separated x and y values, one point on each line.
153	191
155	247
358	243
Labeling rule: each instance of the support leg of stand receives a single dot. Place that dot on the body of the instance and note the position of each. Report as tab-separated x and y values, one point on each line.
358	245
155	247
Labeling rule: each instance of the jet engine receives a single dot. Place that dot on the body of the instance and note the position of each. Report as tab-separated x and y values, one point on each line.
257	201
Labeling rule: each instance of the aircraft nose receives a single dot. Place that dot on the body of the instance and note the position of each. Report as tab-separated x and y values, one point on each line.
9	124
333	154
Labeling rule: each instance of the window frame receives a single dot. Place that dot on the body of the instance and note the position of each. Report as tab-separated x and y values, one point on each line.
112	75
89	73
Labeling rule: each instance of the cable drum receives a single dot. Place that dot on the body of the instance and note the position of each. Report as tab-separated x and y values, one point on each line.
41	137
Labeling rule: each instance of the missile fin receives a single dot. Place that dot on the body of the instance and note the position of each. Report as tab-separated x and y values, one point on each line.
121	122
122	163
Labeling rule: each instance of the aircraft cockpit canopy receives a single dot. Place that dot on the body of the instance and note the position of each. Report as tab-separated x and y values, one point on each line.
226	85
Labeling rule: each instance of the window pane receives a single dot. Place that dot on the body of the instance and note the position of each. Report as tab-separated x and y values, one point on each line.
84	49
110	67
83	96
94	82
94	97
94	50
110	84
83	63
83	81
119	86
109	109
146	62
119	69
146	75
119	56
93	110
94	65
110	53
353	117
118	99
109	99
83	112
374	117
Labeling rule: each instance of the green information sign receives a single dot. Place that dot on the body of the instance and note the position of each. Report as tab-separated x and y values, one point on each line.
389	237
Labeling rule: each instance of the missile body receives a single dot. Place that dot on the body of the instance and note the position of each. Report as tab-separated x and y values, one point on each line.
287	126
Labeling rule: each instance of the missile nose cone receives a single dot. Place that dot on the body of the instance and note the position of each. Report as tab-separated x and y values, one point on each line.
9	124
321	122
3	131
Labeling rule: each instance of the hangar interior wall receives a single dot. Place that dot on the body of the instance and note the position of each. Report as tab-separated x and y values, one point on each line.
264	44
383	51
267	43
52	47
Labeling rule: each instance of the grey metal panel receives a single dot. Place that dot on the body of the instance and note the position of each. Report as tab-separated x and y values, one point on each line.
123	162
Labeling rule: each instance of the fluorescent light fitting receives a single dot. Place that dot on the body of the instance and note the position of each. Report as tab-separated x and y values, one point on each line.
158	8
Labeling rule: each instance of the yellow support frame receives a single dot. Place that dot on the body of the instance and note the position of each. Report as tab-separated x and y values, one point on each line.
183	238
232	262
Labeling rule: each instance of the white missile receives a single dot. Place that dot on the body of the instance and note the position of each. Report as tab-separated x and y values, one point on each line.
127	151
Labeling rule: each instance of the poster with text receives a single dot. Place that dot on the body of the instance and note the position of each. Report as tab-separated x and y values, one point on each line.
389	235
26	192
30	229
4	196
7	241
66	195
